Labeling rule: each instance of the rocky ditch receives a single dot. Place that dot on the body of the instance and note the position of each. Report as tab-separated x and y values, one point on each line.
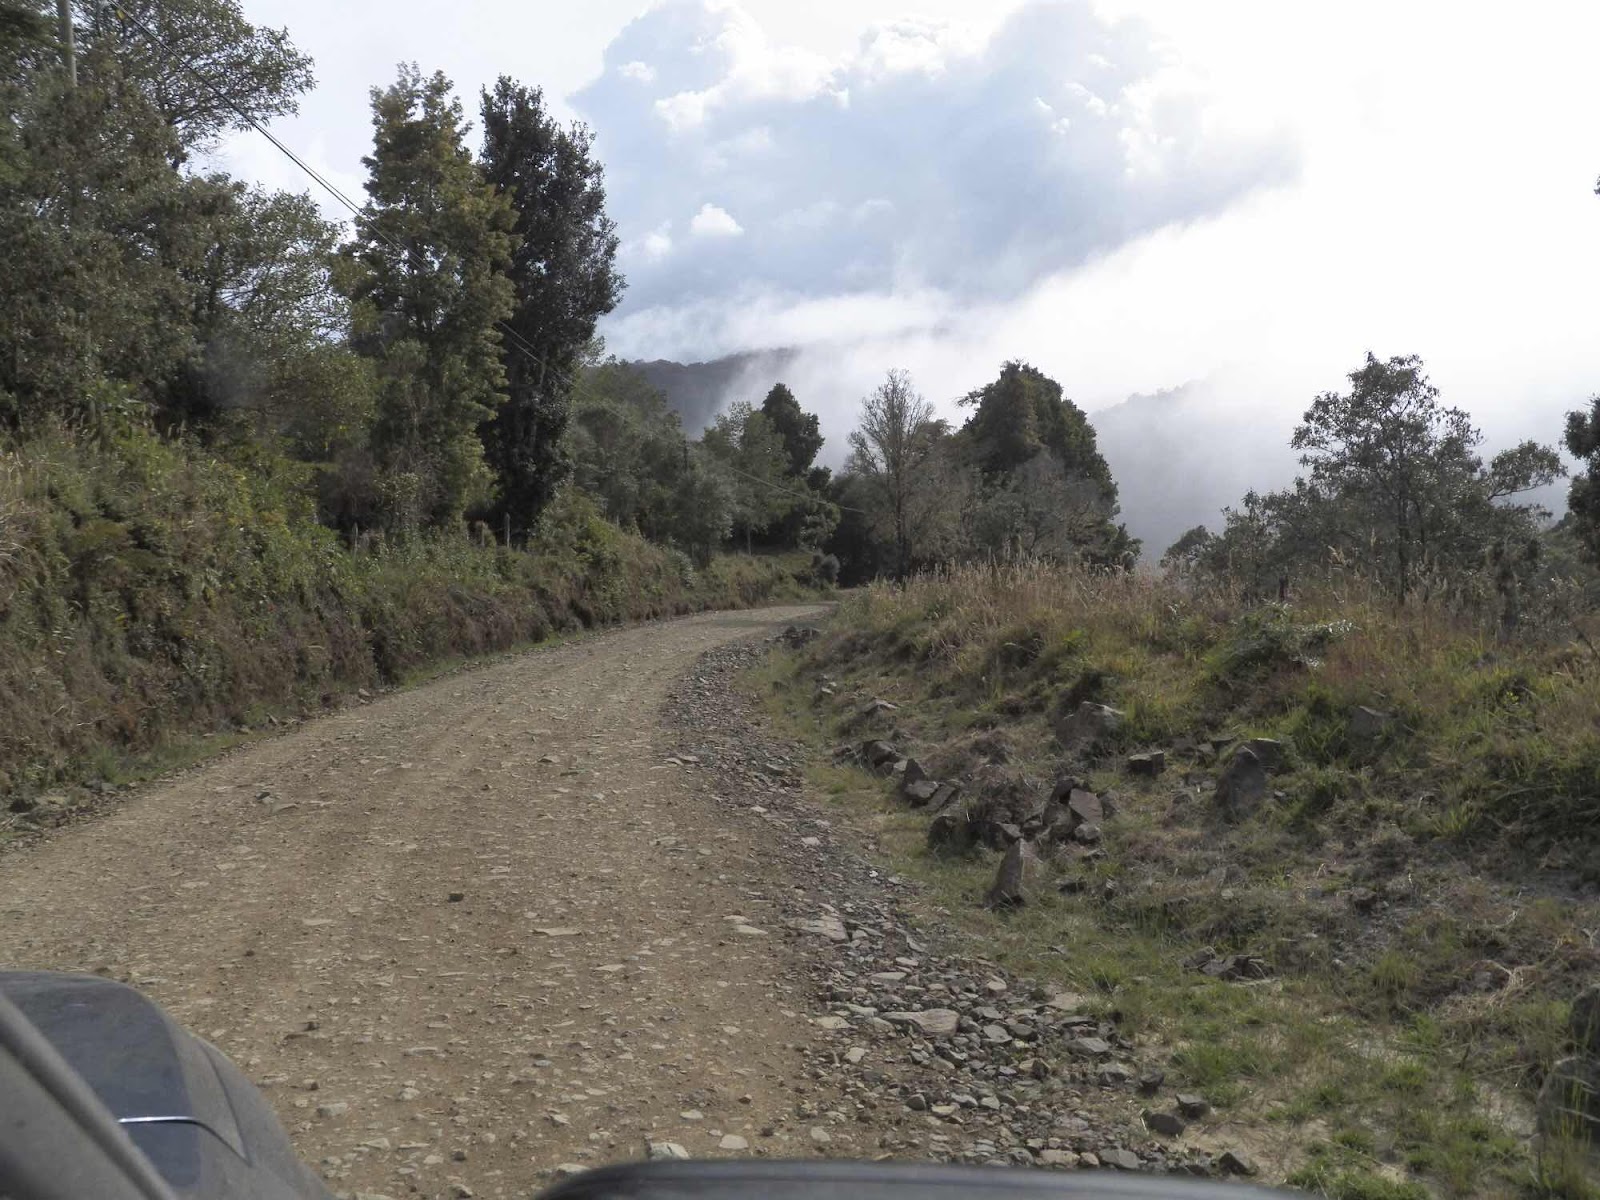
924	1050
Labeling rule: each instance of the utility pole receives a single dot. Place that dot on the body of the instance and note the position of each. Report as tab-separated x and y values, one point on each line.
69	44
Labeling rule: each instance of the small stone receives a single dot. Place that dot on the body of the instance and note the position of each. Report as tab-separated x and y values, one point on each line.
1150	1082
1121	1160
1058	1158
692	1114
1166	1124
1089	1047
1089	724
457	897
1242	786
821	1136
831	1023
1192	1106
662	1151
830	927
1368	723
854	1055
336	1109
568	1170
732	1141
1114	1074
1147	765
997	1034
917	1103
933	1022
1232	1162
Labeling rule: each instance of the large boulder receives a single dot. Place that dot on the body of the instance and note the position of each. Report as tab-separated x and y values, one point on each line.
1015	878
1242	786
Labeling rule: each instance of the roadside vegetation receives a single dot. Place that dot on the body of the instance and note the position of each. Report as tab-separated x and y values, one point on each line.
1311	814
252	458
1423	895
152	589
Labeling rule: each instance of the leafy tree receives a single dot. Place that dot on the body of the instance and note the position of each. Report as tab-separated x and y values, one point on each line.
627	449
1405	474
425	272
204	70
1184	555
564	273
802	438
891	452
269	326
1583	498
96	235
743	441
24	33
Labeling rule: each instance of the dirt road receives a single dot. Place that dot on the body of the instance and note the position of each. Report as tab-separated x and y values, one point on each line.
462	934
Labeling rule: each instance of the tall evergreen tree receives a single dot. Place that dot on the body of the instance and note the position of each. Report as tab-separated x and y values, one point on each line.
565	279
1047	488
426	272
799	430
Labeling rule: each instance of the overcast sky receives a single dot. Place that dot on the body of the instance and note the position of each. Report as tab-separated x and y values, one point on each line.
1131	194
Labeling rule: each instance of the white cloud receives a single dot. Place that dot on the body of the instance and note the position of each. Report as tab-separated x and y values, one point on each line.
637	71
955	181
914	46
658	245
747	66
714	222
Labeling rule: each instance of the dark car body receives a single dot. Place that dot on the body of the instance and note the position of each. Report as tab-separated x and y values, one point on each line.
205	1128
104	1097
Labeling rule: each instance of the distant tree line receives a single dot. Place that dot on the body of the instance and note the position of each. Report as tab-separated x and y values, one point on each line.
437	366
1397	493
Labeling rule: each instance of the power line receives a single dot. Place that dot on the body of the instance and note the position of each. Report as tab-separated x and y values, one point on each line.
518	341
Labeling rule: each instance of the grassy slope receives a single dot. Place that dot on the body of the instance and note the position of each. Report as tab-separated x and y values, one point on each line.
150	591
1425	897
